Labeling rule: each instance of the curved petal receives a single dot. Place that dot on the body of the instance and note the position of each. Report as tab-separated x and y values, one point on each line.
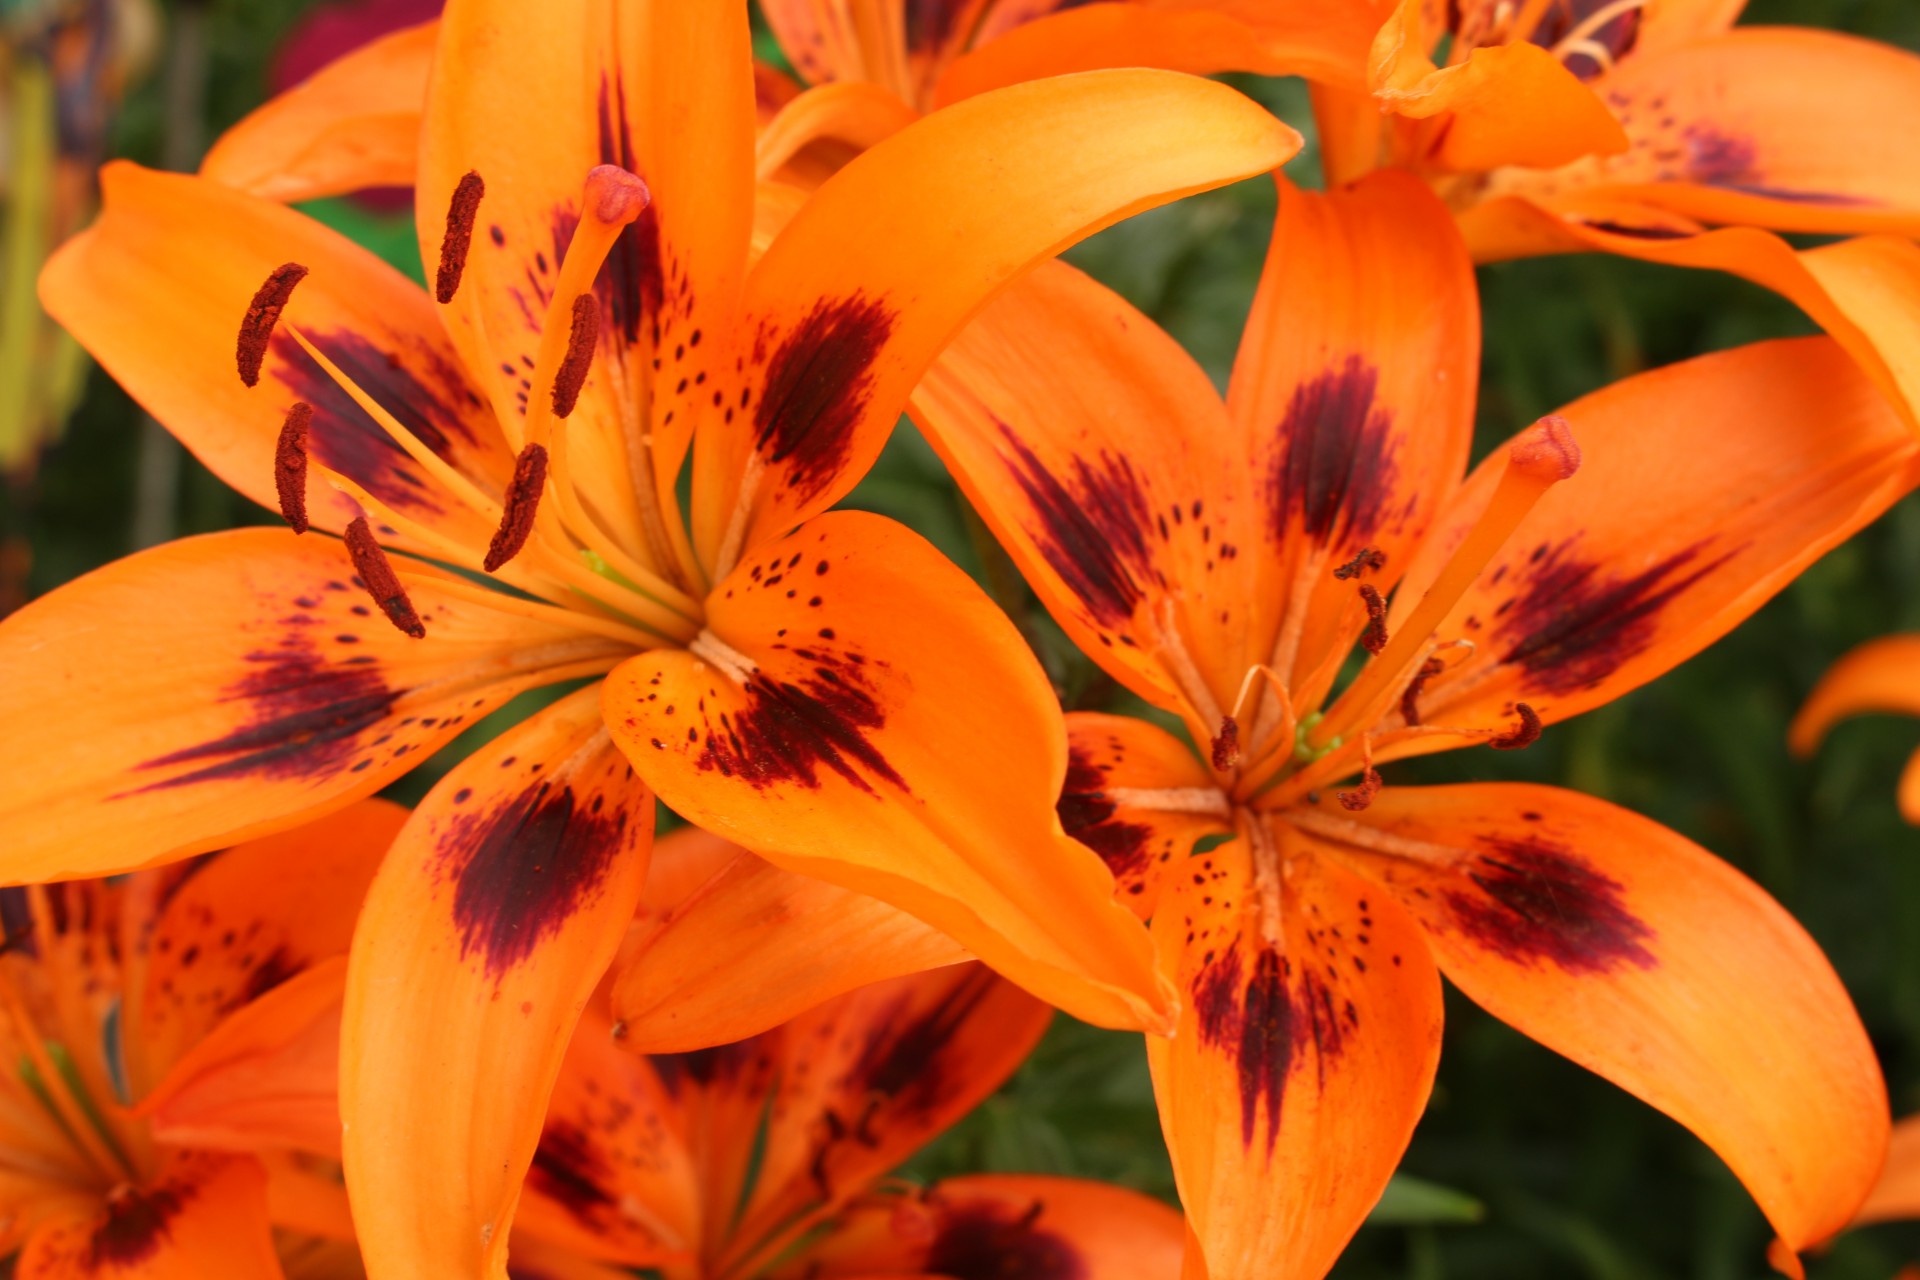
488	927
1671	22
1512	104
1653	551
1305	1053
894	253
1896	1197
1643	957
225	687
753	946
353	124
1739	128
1352	394
206	1215
1004	1225
1099	454
155	290
860	712
1110	761
870	1078
855	114
246	921
1326	43
1880	675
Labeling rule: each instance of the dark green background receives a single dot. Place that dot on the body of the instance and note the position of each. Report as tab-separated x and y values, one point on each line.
1570	1176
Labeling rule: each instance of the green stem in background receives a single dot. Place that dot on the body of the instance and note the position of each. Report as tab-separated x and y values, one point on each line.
28	213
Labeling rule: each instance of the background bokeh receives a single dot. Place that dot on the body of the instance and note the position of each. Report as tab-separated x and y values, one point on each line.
1526	1165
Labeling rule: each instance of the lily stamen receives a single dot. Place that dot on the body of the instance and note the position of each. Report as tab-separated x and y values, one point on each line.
290	465
1172	799
263	313
714	651
382	583
1581	40
461	212
523	503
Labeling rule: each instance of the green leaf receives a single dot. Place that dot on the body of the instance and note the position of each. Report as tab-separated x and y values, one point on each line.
1411	1202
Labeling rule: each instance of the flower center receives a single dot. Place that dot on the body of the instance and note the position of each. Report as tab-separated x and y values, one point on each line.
1588	36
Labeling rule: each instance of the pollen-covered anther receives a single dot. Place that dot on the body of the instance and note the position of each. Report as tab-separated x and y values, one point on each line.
1225	747
1546	451
290	465
1410	700
1525	735
382	583
522	504
582	336
1361	796
1374	638
461	212
263	313
1367	561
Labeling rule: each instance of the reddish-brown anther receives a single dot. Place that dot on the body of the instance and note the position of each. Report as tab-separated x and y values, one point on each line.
1361	796
461	211
382	583
1226	745
1374	638
263	313
1410	700
290	465
523	502
581	340
1525	735
1367	561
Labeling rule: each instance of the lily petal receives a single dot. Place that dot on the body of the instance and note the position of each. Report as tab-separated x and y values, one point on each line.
1305	1054
793	942
1896	1197
1672	22
1644	958
893	254
225	687
353	124
155	290
490	923
1633	565
206	1215
1881	675
859	711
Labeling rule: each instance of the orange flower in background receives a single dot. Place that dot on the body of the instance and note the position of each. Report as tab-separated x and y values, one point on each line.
794	679
1880	675
1222	560
164	1033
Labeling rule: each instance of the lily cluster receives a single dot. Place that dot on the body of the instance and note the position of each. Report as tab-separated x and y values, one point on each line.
678	302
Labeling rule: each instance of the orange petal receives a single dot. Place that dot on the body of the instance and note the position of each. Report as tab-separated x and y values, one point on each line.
224	687
1352	394
1324	43
853	695
854	114
265	1077
1672	22
1004	1225
1109	757
244	922
1305	1053
1634	565
1099	454
1880	675
353	124
545	93
791	942
1738	128
892	255
489	925
156	289
1644	958
1896	1197
1512	104
870	1078
205	1215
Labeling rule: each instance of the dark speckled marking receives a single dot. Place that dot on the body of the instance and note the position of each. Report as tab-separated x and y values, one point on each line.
790	731
988	1241
1088	816
569	1171
703	1067
1334	469
1540	902
1251	1020
523	868
279	966
1091	525
1731	163
904	1061
817	384
930	23
135	1226
631	285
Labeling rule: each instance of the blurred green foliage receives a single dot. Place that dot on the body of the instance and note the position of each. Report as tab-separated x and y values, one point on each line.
1527	1165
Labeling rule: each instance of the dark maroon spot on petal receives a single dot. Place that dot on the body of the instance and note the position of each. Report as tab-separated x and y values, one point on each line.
902	1061
1255	1025
631	285
984	1240
931	24
263	313
1334	470
816	387
522	869
16	922
307	719
1539	901
571	1172
1091	527
1573	624
789	731
704	1067
279	966
461	211
1088	816
1731	163
1637	231
135	1227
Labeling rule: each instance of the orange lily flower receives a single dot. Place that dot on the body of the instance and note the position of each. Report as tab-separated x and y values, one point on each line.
1221	560
1880	675
796	680
208	993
